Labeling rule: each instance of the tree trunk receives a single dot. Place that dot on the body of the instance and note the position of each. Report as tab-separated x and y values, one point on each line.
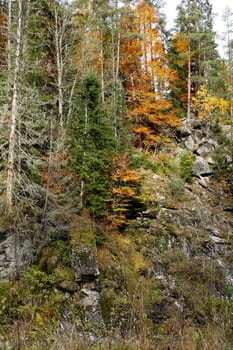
58	46
9	35
82	184
189	85
14	112
102	67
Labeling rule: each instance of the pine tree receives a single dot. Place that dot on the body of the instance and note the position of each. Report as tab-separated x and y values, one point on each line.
200	60
228	21
92	145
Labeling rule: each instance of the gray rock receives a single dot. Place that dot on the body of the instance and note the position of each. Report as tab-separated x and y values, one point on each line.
206	149
190	144
183	131
196	124
201	167
83	261
204	182
16	252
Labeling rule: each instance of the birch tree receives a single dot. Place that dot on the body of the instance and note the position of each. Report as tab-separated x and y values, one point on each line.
14	112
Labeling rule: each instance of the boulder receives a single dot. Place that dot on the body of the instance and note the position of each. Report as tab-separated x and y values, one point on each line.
16	252
201	167
183	131
205	149
190	144
83	261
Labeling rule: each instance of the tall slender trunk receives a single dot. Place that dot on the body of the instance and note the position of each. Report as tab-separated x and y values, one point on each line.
102	67
114	86
9	35
115	67
14	112
71	98
58	46
49	166
189	84
82	184
230	81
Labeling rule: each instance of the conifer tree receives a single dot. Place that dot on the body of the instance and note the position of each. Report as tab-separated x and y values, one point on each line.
194	50
92	145
228	43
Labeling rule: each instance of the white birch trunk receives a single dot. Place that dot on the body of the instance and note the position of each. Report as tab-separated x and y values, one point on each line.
14	112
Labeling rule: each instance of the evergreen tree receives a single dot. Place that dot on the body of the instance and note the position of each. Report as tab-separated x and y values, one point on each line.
193	50
92	145
228	43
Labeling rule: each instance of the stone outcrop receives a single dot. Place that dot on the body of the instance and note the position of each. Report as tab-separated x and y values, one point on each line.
84	264
197	137
16	252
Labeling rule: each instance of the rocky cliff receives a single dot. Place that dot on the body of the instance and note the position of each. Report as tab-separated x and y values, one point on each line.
165	282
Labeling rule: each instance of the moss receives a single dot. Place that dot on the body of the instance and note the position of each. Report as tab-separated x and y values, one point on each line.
83	236
64	279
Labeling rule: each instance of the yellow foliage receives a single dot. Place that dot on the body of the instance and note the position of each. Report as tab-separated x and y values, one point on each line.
130	175
38	318
206	105
124	191
139	262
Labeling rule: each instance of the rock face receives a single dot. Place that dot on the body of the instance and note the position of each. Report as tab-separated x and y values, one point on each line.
171	264
84	264
201	167
87	293
16	252
197	137
87	274
186	240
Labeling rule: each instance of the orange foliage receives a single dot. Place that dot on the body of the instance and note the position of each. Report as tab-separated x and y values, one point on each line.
146	74
125	187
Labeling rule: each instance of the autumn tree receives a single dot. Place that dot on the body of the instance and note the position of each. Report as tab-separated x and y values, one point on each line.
126	201
147	77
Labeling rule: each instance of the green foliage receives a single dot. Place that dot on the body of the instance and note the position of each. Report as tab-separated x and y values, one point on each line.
176	185
62	251
37	280
8	302
186	164
100	238
91	146
140	160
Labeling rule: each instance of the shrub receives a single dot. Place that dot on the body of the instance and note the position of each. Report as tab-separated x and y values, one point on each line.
186	165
